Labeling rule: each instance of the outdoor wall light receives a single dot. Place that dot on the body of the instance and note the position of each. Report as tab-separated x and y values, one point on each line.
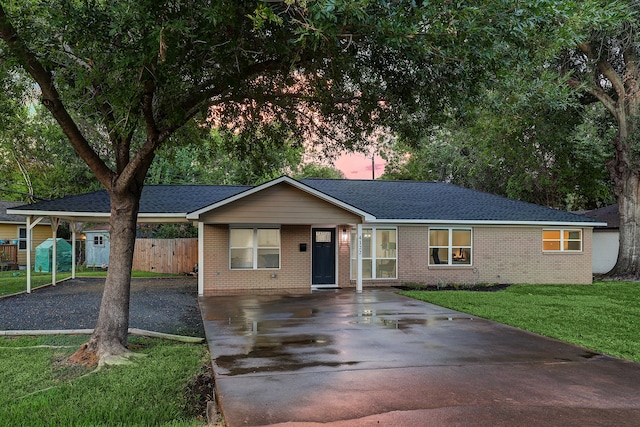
345	235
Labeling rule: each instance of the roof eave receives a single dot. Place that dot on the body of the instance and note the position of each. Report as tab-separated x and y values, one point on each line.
103	216
487	222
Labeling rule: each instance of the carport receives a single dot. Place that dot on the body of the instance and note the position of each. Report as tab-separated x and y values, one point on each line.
91	208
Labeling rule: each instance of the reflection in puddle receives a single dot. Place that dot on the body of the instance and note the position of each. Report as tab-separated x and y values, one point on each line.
393	321
277	353
386	320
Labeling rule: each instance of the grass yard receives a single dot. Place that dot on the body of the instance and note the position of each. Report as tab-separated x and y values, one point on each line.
11	284
38	389
604	316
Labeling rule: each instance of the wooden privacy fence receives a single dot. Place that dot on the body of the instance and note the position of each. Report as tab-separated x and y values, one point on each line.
8	257
173	256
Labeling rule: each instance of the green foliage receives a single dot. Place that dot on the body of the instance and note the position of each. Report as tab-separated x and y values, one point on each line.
44	391
316	170
603	316
167	231
36	158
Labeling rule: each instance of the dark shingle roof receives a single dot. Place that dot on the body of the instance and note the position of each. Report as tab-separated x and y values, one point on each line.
385	200
608	214
419	200
161	199
5	217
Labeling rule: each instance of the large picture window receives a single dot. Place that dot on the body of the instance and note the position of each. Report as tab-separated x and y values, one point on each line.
562	240
379	253
450	246
254	248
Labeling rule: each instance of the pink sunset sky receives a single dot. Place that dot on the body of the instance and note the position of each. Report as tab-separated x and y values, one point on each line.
358	165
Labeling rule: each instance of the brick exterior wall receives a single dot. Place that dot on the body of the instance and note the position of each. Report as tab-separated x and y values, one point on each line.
293	276
500	255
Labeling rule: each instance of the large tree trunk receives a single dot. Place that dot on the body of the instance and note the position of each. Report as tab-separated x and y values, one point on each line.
110	335
627	188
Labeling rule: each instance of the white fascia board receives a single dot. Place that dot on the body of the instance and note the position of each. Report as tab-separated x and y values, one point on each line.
156	217
59	214
283	179
487	222
166	217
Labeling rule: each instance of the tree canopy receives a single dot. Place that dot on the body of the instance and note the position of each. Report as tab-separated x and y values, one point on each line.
122	78
128	75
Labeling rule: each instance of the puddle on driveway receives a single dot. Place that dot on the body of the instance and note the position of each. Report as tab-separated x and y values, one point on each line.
282	353
389	320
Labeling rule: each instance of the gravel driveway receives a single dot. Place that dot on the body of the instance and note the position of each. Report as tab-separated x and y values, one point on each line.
167	305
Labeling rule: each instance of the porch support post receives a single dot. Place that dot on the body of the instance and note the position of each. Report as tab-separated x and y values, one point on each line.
55	222
200	258
359	259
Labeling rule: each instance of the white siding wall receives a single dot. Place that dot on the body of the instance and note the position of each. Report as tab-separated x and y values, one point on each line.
605	250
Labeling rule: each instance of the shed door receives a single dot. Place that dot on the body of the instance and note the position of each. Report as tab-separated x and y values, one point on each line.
323	256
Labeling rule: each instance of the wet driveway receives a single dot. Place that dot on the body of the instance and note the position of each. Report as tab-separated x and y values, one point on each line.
378	358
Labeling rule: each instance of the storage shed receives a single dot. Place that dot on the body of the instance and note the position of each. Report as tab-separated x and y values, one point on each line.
44	256
97	246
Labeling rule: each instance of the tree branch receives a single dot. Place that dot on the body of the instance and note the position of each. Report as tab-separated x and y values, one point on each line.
601	95
607	70
631	81
51	99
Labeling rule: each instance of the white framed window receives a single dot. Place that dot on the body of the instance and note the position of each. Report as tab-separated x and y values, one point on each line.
22	238
379	253
98	240
450	246
254	248
562	240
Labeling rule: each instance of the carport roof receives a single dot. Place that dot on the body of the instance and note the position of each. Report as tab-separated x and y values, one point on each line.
6	218
157	202
382	201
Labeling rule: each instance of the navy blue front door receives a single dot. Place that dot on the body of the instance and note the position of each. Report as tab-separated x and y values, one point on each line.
323	256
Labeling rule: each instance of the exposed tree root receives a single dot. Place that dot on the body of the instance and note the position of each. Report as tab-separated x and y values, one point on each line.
617	277
84	356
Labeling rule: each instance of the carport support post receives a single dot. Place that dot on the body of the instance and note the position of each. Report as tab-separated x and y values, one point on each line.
30	226
55	222
75	228
29	254
359	259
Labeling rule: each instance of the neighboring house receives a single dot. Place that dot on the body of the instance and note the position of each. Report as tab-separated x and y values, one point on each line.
288	235
606	239
13	231
97	246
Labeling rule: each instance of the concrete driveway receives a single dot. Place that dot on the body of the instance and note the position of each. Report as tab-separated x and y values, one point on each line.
381	359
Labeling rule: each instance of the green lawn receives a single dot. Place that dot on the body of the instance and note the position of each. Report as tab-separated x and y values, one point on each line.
11	284
604	317
39	390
